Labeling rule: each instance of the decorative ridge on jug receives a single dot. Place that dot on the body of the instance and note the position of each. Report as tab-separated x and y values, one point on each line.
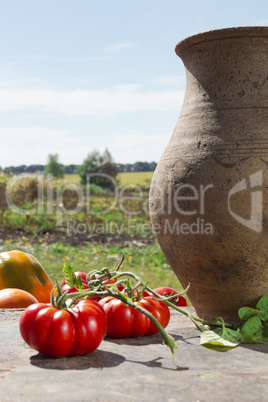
222	33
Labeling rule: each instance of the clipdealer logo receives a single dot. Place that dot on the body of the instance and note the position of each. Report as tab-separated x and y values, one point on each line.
188	201
256	202
200	225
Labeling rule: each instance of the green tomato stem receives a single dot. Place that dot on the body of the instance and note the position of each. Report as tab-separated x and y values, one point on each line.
97	284
217	322
114	292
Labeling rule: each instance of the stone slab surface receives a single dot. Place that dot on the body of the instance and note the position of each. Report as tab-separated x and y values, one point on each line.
138	369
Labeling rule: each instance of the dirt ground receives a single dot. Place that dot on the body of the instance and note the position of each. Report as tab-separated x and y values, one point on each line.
77	239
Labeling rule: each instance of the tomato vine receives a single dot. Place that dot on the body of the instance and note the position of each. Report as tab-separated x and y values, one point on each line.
252	327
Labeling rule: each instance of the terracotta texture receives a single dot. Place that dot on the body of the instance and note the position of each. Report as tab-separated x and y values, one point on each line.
208	197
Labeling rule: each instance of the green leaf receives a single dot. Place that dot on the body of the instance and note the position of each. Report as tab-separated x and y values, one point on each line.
263	315
78	282
251	327
265	330
262	305
248	339
224	337
245	313
260	336
69	275
259	339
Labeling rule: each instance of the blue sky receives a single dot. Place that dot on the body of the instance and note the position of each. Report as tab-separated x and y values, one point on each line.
78	75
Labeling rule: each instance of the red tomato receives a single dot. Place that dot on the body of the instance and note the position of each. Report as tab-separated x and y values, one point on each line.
126	322
159	310
166	291
123	321
90	325
59	333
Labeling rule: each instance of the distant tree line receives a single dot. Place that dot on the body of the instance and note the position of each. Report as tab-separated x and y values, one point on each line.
73	169
137	167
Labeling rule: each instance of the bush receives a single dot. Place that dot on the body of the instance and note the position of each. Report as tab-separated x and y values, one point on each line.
96	168
53	167
95	189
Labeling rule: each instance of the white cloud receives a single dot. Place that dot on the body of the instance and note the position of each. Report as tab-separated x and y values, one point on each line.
33	57
174	81
128	87
32	145
31	133
107	52
104	102
133	146
117	47
91	58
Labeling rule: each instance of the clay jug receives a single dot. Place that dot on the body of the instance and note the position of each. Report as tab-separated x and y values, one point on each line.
208	197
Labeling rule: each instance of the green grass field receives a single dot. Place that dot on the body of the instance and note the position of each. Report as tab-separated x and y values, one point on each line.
141	179
149	262
72	178
146	261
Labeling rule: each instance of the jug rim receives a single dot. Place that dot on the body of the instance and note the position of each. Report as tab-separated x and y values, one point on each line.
222	33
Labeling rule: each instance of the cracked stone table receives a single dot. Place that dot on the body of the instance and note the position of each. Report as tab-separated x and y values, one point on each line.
138	369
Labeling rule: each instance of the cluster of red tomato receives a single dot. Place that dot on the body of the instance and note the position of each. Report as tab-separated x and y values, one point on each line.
60	333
